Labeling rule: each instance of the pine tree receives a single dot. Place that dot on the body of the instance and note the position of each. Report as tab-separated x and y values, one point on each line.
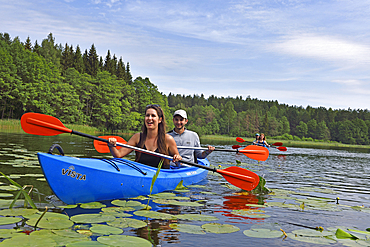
113	65
128	76
28	45
85	60
78	62
92	65
101	64
121	70
36	48
107	62
67	58
50	51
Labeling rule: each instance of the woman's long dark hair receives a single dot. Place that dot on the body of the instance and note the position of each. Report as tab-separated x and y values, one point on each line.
161	138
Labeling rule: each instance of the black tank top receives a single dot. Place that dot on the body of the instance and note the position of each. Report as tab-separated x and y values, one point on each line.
148	159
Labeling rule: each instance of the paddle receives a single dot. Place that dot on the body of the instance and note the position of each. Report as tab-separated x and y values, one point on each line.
45	125
253	152
238	139
279	148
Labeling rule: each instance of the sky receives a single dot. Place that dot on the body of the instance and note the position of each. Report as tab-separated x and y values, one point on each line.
298	52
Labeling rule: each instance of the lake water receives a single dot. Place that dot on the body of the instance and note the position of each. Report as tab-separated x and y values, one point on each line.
305	185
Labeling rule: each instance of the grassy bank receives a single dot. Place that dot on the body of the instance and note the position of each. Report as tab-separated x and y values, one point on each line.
14	126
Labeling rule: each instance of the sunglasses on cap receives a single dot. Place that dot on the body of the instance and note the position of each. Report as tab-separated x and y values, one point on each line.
150	105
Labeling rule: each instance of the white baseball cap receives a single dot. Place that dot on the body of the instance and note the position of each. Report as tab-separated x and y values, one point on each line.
181	113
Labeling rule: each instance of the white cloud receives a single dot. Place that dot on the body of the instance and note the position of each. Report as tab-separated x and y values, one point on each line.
325	48
351	82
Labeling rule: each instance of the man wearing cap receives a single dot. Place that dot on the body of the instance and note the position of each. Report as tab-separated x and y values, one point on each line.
185	137
255	142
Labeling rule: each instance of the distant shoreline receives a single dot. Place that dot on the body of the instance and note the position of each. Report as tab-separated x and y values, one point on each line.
14	126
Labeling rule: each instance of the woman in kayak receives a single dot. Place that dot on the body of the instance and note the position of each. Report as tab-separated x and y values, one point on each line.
262	141
152	137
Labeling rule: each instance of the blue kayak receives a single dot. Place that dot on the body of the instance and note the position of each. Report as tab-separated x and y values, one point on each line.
80	180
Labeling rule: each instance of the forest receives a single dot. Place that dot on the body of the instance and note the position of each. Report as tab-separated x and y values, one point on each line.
88	89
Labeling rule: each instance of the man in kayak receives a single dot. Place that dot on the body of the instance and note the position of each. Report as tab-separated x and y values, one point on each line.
185	137
257	139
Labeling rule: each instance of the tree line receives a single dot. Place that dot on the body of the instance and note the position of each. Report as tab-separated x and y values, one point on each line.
85	88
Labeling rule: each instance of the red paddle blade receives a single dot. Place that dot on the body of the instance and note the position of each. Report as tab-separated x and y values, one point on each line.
282	148
238	139
102	147
236	146
44	125
255	152
240	177
277	144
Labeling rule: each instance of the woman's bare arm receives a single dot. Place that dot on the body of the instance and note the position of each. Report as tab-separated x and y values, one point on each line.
119	153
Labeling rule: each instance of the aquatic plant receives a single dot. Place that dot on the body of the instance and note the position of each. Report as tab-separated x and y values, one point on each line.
27	198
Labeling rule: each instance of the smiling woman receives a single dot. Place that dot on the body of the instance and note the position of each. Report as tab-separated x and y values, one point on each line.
152	137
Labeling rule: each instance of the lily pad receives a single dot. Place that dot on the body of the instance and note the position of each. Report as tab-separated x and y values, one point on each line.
9	187
198	217
28	240
256	205
67	233
123	203
86	243
282	205
313	240
9	220
18	212
92	218
59	239
361	208
263	233
51	223
8	233
358	231
85	232
252	213
177	203
140	198
312	233
117	211
165	195
220	228
196	186
155	215
127	222
47	215
193	229
6	195
67	206
92	205
105	230
124	241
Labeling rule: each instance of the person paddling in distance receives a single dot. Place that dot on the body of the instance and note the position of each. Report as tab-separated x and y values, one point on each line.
185	137
255	142
262	141
152	137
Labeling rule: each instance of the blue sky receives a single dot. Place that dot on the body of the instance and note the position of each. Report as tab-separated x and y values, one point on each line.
298	52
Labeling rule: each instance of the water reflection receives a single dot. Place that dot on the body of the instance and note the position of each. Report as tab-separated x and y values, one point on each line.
240	201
